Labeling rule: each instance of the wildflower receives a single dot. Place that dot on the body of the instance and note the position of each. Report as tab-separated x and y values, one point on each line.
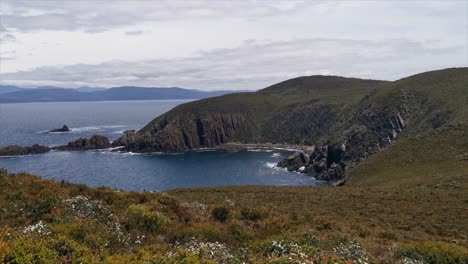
38	228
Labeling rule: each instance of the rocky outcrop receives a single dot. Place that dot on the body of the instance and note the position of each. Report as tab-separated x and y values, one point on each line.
60	130
370	132
95	142
183	133
15	150
324	163
295	161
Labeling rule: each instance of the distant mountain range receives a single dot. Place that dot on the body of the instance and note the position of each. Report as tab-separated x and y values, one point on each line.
13	94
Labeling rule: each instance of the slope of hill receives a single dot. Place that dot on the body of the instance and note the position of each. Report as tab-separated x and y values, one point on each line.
43	221
364	116
42	95
13	94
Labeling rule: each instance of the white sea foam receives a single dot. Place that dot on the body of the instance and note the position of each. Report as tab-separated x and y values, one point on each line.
15	156
90	129
275	155
260	150
94	128
270	165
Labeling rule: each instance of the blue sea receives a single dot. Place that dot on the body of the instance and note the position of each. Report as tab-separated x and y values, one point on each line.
28	123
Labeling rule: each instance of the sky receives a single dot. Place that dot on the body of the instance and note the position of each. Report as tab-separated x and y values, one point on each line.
217	44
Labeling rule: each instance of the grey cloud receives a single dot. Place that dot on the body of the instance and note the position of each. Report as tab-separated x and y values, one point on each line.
255	65
7	55
96	16
134	33
7	37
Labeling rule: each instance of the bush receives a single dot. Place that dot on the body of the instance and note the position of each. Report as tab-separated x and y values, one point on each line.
40	208
30	250
251	214
210	232
435	252
221	214
68	249
3	172
144	219
236	232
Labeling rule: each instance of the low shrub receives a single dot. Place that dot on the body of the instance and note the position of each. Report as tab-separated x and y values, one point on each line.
30	250
250	214
435	252
142	218
236	232
221	214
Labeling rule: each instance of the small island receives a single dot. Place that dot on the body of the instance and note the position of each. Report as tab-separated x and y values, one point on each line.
60	130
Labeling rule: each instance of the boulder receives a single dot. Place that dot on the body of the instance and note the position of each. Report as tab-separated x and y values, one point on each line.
294	161
63	129
334	174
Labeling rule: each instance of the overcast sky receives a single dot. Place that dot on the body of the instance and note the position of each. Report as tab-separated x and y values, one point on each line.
225	44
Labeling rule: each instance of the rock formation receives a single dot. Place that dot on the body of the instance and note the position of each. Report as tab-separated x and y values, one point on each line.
182	134
63	129
95	142
15	150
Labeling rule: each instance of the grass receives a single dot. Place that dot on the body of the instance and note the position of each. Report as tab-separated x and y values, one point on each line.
434	158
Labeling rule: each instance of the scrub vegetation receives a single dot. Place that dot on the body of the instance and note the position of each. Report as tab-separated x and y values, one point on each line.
57	222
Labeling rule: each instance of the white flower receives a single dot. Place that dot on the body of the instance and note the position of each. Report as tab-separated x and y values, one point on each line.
38	228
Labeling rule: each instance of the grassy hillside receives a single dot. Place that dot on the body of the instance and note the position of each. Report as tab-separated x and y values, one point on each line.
47	222
434	149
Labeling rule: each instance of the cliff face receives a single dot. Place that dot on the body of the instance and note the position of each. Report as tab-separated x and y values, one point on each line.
185	133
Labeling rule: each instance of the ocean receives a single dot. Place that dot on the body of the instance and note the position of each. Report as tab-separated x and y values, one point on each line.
28	123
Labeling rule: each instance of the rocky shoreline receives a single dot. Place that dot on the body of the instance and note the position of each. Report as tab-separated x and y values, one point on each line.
95	142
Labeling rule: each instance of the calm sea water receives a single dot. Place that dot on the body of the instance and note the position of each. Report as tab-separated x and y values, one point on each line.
26	124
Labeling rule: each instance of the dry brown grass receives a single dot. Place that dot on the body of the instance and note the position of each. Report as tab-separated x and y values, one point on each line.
381	216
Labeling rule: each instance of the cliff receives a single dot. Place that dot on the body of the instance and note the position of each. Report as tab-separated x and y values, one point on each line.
294	115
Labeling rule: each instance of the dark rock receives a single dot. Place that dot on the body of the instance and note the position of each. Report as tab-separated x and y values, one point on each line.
324	163
95	142
334	174
335	153
294	162
127	139
15	150
63	129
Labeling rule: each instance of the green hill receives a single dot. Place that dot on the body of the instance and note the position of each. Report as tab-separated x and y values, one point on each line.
410	129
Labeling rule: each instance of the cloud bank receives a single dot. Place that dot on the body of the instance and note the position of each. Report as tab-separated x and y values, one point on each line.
225	44
253	65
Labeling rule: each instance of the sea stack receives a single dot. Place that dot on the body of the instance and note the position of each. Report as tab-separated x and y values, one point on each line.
63	129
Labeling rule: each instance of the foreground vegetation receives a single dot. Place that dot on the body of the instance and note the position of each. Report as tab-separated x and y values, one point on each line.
48	222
